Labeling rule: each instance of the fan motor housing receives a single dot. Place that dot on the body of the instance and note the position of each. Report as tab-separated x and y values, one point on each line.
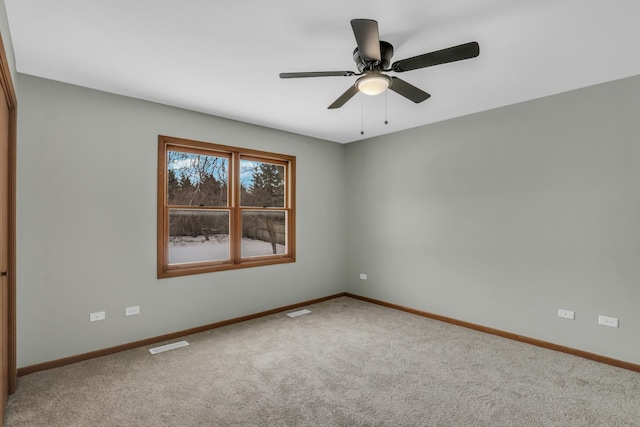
386	52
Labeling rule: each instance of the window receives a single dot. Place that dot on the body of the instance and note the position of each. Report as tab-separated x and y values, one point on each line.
222	208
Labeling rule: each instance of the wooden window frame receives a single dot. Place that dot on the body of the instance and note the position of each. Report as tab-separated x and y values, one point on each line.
234	154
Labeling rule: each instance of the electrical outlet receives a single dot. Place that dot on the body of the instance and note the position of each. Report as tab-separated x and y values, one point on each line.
94	317
612	322
566	314
363	276
132	311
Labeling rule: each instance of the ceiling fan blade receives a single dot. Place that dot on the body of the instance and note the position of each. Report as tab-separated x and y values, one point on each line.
407	90
344	98
366	32
452	54
317	74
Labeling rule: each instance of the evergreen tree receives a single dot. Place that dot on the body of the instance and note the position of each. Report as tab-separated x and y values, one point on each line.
268	185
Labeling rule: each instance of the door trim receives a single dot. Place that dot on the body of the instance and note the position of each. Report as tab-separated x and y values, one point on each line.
12	102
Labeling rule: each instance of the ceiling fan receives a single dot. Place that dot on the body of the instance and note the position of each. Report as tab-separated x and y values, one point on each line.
373	56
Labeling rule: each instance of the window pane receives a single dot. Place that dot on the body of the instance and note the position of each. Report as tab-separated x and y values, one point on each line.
261	184
196	179
197	236
264	233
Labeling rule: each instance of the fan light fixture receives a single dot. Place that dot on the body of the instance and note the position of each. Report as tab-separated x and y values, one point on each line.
373	58
373	84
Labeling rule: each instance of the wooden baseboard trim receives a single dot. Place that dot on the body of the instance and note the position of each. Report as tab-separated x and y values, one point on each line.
516	337
116	349
123	347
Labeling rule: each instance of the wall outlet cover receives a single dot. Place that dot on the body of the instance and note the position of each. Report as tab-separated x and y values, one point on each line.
132	311
566	314
612	322
99	315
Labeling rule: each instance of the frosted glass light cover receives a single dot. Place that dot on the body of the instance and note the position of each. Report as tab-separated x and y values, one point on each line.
374	85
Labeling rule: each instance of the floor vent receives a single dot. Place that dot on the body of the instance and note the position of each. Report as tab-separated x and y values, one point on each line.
168	347
299	313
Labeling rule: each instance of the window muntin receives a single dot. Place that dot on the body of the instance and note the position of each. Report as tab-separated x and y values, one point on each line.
222	207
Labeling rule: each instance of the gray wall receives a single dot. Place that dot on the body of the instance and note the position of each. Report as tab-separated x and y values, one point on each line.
86	231
499	218
503	217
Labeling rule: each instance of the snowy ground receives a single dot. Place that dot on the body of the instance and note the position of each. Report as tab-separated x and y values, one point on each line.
183	249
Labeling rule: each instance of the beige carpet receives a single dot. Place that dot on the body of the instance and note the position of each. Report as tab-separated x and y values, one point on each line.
348	363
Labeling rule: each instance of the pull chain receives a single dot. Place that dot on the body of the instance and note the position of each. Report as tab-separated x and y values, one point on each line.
386	98
362	120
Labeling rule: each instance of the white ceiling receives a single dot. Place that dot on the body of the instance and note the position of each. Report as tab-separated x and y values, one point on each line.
223	57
